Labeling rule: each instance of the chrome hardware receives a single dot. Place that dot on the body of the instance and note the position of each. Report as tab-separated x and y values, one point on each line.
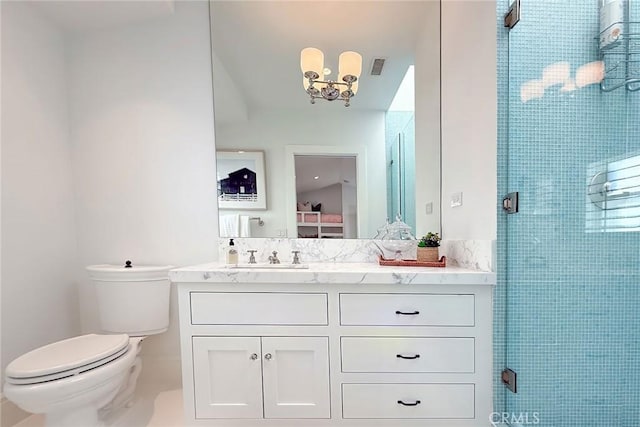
296	258
268	356
254	356
252	257
206	275
510	203
332	90
273	259
257	218
415	356
600	190
416	403
404	313
619	46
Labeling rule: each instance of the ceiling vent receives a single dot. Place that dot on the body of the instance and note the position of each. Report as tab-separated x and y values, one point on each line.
376	68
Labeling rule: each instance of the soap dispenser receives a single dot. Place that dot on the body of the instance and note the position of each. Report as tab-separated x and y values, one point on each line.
232	253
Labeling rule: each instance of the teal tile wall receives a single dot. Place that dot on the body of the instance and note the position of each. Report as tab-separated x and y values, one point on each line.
567	301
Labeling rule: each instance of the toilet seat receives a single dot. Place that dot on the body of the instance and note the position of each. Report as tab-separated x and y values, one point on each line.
66	358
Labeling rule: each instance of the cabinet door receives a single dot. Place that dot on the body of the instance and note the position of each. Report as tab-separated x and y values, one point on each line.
296	377
227	377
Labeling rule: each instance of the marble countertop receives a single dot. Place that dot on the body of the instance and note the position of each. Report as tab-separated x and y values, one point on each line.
333	273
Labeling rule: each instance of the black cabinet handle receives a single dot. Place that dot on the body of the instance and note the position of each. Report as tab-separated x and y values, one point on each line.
416	403
408	314
400	356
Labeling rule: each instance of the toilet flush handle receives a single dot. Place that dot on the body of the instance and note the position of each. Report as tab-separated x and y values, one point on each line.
127	264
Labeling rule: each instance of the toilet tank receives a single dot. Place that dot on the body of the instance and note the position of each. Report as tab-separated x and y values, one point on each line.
132	299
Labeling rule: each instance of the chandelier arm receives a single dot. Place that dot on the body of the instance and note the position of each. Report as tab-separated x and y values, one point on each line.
337	99
341	94
330	82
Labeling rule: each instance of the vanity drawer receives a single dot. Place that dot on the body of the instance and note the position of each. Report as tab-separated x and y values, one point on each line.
407	310
258	308
364	354
452	401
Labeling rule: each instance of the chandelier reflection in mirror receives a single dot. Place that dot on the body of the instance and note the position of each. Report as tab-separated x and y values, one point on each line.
344	88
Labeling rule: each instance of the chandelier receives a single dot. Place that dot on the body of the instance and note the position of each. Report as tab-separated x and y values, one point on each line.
345	87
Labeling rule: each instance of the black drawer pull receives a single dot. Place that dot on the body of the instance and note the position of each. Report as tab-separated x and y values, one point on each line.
414	313
416	403
400	356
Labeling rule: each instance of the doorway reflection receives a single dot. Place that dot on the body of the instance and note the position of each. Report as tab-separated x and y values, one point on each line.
326	193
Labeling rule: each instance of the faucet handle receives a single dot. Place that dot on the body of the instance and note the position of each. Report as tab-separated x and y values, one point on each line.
296	258
252	256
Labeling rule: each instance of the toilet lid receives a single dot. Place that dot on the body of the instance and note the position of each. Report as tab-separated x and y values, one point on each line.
66	357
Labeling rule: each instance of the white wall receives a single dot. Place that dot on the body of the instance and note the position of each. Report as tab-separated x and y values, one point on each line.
273	130
39	298
427	125
228	95
330	197
349	211
469	117
142	134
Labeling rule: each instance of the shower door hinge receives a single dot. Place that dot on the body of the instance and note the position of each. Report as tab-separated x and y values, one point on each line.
510	203
512	17
508	378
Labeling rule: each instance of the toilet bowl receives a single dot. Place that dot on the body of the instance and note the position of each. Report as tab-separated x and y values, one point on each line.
77	381
71	379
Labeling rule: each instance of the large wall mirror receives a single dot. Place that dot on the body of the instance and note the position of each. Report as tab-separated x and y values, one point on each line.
330	171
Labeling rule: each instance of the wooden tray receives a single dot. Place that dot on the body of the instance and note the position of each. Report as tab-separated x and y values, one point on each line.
412	262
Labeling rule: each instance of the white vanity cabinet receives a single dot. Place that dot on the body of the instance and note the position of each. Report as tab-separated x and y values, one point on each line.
227	376
309	353
256	377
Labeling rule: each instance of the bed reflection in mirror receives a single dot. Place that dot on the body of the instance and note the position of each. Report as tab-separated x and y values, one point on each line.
326	202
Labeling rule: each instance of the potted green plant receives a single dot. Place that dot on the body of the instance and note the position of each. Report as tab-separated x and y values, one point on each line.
428	248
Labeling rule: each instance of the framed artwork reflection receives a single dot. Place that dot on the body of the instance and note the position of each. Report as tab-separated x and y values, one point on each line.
241	180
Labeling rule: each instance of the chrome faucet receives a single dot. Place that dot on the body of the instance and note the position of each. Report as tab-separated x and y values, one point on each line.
252	256
273	259
296	258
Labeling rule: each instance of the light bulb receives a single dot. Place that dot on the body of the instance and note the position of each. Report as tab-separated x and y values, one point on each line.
350	63
312	59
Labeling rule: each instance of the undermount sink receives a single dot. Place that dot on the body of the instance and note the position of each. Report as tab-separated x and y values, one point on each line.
271	266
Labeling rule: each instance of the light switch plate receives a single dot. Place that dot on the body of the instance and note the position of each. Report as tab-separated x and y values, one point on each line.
429	208
456	199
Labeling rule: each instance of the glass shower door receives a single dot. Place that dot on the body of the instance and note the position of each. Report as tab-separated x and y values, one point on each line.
571	274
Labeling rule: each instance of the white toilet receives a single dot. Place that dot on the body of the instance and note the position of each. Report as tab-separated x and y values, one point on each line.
70	381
